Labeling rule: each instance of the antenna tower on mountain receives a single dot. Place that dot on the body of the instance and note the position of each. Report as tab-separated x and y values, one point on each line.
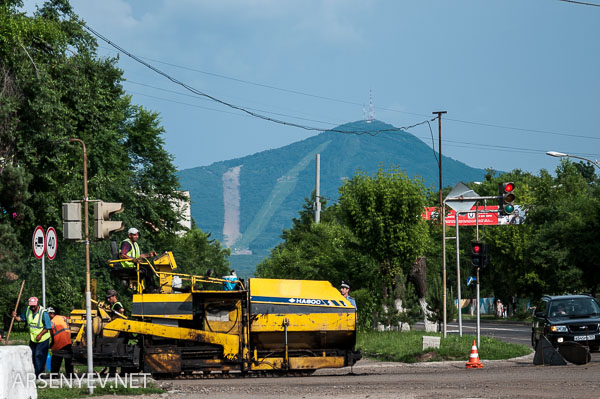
371	115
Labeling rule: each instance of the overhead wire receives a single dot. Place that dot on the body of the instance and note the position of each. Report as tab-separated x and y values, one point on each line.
250	111
250	108
437	161
447	142
581	2
279	88
243	109
499	126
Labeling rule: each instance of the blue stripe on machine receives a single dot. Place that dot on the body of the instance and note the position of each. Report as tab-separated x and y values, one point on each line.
296	301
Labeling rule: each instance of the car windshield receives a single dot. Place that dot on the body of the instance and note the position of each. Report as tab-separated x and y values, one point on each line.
576	307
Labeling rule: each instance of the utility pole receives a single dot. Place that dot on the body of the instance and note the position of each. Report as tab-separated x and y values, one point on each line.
88	294
442	216
318	190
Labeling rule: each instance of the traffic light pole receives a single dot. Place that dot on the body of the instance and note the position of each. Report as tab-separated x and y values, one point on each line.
478	317
88	294
477	271
460	326
443	216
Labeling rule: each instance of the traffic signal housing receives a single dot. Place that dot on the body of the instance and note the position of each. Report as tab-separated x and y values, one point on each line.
103	211
506	197
479	254
71	215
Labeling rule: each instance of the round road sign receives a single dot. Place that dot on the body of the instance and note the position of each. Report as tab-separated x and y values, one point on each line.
51	243
39	242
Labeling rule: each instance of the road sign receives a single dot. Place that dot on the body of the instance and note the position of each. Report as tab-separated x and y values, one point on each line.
471	280
461	190
51	243
39	242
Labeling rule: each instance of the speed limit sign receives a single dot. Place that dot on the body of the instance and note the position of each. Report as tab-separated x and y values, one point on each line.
51	243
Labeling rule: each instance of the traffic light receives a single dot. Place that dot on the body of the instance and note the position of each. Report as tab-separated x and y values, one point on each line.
506	197
479	254
103	226
71	215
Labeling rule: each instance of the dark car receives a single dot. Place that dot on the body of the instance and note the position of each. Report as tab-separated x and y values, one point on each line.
567	318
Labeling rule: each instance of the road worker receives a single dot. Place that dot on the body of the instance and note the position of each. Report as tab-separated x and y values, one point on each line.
39	325
61	343
115	305
130	250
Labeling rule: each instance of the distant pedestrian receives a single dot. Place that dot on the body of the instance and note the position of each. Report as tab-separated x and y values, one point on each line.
499	309
345	291
61	343
39	324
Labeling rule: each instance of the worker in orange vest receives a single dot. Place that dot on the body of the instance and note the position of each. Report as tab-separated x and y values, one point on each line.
61	343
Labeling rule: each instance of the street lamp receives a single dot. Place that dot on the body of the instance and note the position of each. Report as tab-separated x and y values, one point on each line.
562	154
88	295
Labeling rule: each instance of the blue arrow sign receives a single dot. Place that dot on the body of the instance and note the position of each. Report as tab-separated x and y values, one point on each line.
471	280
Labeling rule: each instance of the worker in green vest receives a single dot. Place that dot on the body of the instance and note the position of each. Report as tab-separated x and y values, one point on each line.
130	250
115	305
39	324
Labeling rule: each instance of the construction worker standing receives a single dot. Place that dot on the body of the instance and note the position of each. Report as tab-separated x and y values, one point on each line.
61	343
39	325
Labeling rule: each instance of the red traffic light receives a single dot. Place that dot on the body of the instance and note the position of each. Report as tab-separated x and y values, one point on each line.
509	187
476	248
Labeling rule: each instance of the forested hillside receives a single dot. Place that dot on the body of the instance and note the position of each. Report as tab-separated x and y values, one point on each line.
275	183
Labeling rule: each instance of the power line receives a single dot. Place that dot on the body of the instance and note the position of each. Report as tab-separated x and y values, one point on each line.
581	2
239	108
205	99
499	126
232	113
266	86
450	143
522	129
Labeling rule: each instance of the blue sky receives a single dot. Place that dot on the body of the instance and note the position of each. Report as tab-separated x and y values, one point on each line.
532	65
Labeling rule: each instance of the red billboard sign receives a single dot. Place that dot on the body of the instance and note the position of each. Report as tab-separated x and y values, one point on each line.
487	216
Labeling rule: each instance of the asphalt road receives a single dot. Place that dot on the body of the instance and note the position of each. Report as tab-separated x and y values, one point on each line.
513	332
517	378
514	378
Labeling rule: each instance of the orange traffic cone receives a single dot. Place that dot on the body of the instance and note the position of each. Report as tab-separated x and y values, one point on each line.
474	362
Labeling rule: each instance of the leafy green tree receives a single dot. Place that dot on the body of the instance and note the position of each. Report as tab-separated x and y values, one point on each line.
562	243
383	212
53	87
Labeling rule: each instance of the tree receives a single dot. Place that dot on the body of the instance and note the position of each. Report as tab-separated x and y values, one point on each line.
384	213
53	87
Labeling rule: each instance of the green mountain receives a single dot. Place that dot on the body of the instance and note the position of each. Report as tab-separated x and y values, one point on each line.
246	202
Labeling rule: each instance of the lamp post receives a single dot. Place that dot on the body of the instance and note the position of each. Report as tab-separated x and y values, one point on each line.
88	294
562	154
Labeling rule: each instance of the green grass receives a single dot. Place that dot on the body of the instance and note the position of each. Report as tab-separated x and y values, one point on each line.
67	393
407	347
18	338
